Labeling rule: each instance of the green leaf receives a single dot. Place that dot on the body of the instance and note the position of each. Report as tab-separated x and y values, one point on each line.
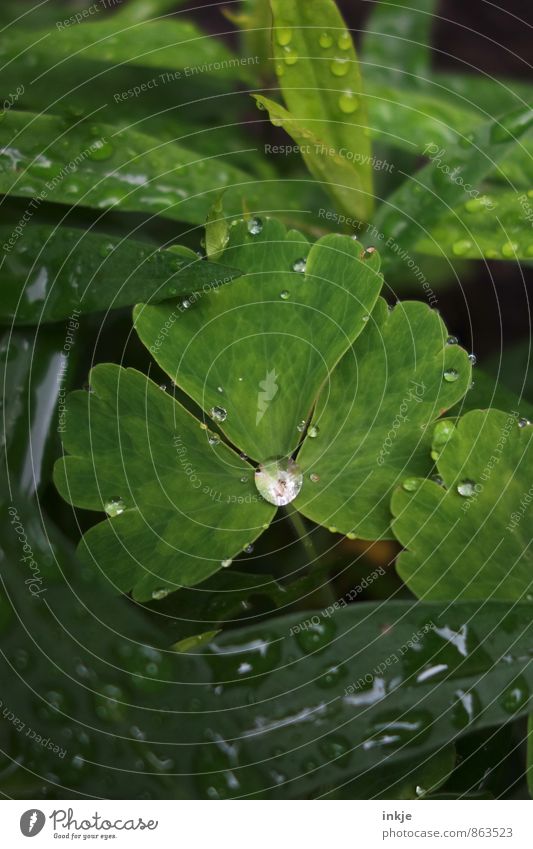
530	755
50	272
137	718
375	418
447	180
181	503
319	77
174	44
135	11
469	538
216	231
495	225
262	348
335	174
105	167
397	39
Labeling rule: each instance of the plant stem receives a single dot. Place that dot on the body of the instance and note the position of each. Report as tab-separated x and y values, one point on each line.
324	595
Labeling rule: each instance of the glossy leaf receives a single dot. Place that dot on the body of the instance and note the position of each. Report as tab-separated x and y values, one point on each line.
49	272
37	369
447	180
319	77
130	715
495	225
104	167
181	504
469	537
174	44
262	348
135	11
375	418
397	40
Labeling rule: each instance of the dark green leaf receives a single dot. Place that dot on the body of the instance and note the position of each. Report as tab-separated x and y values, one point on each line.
50	272
396	43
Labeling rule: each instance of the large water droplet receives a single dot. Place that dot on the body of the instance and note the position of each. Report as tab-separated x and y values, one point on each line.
278	480
219	414
255	226
466	488
114	506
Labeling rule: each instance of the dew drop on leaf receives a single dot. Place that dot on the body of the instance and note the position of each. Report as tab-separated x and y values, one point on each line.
348	103
368	252
314	478
523	422
452	340
285	295
219	414
300	427
299	265
317	636
466	488
339	67
100	149
461	247
255	226
313	431
278	480
450	375
509	249
114	506
325	40
158	595
290	57
472	358
410	484
248	549
283	36
226	563
344	41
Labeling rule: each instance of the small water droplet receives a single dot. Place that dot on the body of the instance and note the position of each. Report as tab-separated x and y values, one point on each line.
450	375
339	67
411	484
313	431
220	389
244	479
466	488
300	427
278	480
523	422
299	265
344	41
472	358
285	295
114	506
100	149
461	247
516	696
255	226
157	595
325	40
452	340
290	56
314	478
213	438
438	480
509	249
367	253
283	36
219	414
248	549
317	636
226	563
348	103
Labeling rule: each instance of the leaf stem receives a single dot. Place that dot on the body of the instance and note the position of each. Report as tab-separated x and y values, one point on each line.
324	595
